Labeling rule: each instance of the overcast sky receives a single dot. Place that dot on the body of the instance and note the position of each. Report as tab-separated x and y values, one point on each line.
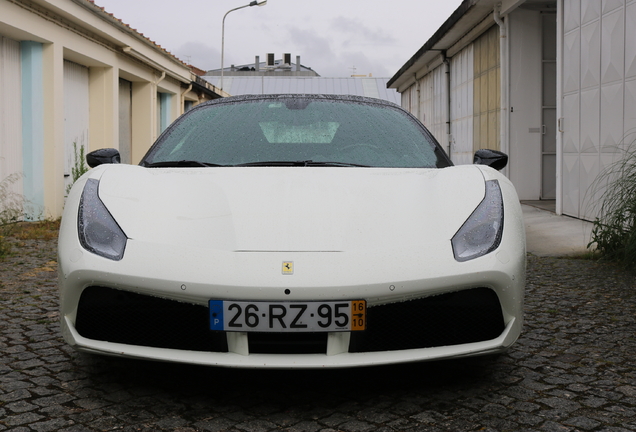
336	38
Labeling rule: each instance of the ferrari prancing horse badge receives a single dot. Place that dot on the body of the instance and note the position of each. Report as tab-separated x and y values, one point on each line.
288	267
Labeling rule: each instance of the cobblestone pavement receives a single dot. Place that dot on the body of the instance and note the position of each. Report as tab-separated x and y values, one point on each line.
572	370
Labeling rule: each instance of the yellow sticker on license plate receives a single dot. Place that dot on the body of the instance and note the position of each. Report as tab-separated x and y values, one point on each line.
358	315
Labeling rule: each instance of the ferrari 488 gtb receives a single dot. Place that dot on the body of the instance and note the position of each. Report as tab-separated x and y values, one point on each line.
293	231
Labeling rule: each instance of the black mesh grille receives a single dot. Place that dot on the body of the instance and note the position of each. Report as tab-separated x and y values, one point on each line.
123	317
450	319
119	316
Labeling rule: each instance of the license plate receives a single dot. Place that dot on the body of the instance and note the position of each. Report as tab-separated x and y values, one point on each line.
330	316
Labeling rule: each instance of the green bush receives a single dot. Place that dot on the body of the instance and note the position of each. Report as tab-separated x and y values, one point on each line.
614	229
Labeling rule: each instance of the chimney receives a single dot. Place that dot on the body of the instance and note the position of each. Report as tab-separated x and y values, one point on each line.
297	63
257	63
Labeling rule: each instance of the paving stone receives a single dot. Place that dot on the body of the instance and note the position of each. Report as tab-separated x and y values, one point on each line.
77	428
56	399
50	425
105	423
582	423
304	426
91	403
256	426
551	426
170	423
15	395
20	407
335	419
527	419
561	404
215	425
356	426
20	419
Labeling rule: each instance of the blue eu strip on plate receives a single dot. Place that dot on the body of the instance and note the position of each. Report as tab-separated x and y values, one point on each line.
216	315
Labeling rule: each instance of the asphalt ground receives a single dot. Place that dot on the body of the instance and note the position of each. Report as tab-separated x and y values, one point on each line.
573	369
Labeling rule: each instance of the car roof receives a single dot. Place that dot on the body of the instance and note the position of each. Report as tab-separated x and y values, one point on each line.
326	97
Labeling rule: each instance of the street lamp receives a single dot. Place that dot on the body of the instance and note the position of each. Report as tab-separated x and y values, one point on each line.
252	3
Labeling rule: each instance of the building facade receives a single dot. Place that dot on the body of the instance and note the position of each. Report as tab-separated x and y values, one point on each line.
72	76
550	82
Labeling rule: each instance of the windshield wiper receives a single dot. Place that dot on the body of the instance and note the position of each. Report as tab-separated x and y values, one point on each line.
299	163
343	164
181	163
272	163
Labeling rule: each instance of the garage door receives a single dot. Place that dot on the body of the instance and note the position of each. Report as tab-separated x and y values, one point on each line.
10	111
76	118
599	94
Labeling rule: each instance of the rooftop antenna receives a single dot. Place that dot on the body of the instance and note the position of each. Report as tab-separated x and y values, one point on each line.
353	70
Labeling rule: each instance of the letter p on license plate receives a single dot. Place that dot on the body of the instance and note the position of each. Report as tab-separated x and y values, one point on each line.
246	316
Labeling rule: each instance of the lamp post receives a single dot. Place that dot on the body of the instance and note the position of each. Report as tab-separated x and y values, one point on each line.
252	3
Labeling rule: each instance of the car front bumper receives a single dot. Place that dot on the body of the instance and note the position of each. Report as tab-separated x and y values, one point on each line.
186	276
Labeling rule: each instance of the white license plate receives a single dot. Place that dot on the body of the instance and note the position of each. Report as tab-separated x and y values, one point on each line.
246	316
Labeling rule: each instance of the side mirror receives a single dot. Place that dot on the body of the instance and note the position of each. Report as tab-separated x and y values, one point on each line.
493	158
103	156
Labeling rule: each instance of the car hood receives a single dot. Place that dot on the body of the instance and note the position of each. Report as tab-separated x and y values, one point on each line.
299	209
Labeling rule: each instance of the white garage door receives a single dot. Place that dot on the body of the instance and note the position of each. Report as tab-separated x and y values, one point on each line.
10	111
599	93
75	114
462	81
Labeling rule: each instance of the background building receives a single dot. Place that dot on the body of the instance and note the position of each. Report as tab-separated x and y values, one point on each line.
550	82
282	76
72	74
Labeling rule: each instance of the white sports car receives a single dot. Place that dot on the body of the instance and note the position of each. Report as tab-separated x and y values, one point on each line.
292	231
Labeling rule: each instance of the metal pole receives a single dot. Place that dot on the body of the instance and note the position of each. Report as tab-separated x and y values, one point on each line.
252	3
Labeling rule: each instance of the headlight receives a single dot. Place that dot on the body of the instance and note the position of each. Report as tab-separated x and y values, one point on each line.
98	231
481	233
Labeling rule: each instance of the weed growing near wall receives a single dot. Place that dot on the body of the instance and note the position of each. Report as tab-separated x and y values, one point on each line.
614	230
11	210
79	165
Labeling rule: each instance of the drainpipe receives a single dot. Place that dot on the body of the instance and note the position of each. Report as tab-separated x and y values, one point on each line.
154	133
448	103
161	78
418	110
503	65
183	94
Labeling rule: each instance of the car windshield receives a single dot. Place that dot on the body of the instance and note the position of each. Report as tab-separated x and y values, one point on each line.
305	131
